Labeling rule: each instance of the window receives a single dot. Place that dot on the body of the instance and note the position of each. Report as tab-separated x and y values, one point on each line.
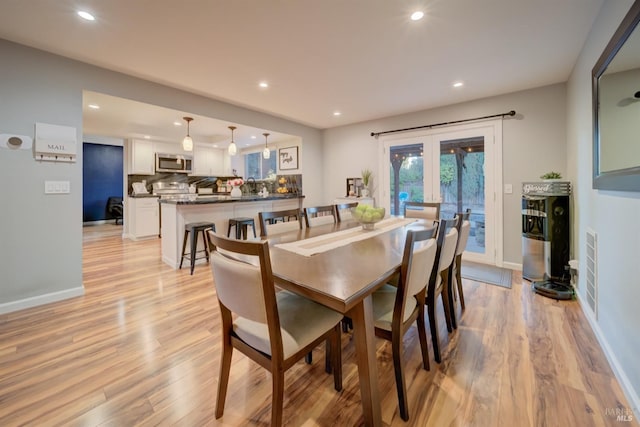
258	167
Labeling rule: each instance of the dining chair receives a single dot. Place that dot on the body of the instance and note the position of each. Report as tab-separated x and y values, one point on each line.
439	280
273	222
426	210
319	215
464	228
397	308
343	210
274	329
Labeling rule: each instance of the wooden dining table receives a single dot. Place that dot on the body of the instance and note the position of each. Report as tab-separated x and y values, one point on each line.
344	278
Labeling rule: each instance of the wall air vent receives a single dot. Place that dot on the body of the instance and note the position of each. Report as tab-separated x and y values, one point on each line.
592	271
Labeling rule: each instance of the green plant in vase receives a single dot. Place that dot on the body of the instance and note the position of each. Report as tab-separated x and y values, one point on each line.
366	180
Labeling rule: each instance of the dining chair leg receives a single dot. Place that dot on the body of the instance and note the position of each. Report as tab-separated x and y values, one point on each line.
445	299
223	380
450	300
422	335
277	398
396	351
433	324
459	281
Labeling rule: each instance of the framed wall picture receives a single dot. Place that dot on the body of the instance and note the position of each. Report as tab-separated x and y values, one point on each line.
288	158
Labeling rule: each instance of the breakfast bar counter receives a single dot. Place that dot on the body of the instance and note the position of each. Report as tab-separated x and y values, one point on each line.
175	213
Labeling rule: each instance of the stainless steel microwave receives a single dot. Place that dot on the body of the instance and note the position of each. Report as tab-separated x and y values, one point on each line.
176	163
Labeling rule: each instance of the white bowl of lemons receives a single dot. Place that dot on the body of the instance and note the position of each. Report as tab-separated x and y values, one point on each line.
367	215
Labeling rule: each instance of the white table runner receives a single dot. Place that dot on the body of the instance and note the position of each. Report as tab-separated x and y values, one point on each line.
330	241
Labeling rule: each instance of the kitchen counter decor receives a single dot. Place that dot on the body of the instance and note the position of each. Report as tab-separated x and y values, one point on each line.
236	183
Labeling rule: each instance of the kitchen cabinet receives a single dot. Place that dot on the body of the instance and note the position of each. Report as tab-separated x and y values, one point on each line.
144	221
208	161
141	157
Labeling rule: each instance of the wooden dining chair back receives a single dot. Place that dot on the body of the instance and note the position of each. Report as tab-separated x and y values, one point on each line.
396	308
273	329
343	210
439	279
423	210
274	222
464	228
319	215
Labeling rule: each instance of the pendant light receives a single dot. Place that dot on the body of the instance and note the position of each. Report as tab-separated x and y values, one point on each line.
232	147
266	153
187	142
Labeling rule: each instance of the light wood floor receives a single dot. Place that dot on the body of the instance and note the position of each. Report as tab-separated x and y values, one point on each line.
142	347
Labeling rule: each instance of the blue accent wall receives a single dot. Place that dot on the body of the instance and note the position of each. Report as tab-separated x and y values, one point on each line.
102	172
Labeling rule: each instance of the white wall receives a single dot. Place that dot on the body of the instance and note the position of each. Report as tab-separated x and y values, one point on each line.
533	143
41	236
613	215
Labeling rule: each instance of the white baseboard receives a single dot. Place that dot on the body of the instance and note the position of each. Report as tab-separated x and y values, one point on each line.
12	306
630	393
512	266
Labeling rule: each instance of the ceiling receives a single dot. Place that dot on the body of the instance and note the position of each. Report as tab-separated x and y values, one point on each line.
363	58
124	118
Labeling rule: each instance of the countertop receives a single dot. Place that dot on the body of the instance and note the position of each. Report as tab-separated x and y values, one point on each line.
142	196
208	199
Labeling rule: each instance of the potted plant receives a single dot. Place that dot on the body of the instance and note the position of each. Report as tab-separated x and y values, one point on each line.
366	180
551	176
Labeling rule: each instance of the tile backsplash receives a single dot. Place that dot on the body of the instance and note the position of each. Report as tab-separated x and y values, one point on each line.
288	184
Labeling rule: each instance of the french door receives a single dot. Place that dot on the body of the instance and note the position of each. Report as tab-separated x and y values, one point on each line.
458	166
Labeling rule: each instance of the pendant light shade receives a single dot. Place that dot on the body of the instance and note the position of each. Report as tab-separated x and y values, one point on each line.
233	149
266	153
187	142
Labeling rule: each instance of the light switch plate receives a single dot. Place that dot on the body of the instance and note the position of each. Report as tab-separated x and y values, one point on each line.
57	187
508	189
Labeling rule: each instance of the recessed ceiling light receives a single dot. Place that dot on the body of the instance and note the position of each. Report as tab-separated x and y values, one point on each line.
177	124
263	85
86	15
94	106
416	16
337	113
147	137
215	145
253	137
458	84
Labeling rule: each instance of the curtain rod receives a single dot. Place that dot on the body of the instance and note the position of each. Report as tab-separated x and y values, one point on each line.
377	134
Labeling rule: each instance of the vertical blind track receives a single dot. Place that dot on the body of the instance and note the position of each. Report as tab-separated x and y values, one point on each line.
377	134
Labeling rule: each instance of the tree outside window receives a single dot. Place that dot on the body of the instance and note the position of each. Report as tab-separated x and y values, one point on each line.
258	167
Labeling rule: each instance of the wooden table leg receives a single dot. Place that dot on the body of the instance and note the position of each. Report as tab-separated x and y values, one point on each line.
362	316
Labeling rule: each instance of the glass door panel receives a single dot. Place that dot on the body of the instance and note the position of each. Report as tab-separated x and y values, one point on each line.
462	185
406	173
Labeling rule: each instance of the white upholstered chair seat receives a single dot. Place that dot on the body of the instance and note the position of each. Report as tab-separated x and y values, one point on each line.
301	322
383	303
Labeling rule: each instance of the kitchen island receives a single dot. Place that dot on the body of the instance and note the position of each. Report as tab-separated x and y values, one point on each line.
175	213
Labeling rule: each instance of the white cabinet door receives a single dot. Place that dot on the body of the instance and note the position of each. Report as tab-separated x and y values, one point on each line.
208	161
217	163
202	160
141	157
145	221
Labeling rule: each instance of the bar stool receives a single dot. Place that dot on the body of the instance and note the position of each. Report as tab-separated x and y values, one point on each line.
194	228
241	224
